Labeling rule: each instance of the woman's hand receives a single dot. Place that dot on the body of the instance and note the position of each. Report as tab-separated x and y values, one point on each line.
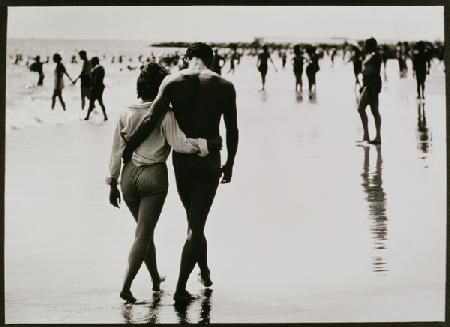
114	196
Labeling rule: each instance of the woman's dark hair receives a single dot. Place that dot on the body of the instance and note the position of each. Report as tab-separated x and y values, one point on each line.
82	53
200	50
297	49
95	61
371	44
149	81
57	57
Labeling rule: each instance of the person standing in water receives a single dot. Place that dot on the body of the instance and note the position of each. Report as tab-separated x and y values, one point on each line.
217	62
421	67
357	59
85	77
311	69
283	59
199	98
97	87
59	72
262	66
36	67
297	62
370	90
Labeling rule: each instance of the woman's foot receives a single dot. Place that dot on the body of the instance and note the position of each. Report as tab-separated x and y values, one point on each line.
183	296
127	296
157	283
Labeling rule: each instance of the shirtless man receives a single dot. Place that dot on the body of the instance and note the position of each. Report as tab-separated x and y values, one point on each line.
199	98
84	77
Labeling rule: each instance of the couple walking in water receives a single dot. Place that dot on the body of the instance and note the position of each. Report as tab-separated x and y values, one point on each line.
181	111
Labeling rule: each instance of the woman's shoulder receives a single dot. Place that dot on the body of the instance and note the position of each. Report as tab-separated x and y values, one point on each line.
134	111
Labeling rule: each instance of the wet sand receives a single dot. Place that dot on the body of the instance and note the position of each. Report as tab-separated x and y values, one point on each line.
315	227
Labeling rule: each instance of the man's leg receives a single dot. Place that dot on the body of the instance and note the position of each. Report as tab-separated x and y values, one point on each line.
61	100
195	249
55	93
100	101
418	87
91	106
83	97
362	114
184	187
377	118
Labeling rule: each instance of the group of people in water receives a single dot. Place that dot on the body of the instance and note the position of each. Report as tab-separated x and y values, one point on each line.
91	79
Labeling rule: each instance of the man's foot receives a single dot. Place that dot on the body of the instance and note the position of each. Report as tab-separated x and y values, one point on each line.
205	279
106	118
87	118
127	296
183	296
157	283
375	141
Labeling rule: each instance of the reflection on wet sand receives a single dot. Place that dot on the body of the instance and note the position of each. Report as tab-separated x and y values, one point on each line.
150	312
299	96
185	317
424	136
376	198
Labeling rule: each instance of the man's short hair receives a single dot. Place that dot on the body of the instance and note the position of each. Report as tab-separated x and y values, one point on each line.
57	57
82	53
200	50
149	81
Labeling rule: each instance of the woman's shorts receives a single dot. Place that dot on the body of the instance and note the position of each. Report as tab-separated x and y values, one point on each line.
139	182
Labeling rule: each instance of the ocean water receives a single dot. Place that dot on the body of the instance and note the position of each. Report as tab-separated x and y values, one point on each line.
314	227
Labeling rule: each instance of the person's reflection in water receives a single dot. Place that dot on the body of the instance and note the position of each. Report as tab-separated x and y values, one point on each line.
263	96
205	313
423	134
181	310
376	198
150	317
299	96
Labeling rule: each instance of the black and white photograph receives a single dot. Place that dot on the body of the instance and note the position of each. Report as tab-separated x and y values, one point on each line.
225	164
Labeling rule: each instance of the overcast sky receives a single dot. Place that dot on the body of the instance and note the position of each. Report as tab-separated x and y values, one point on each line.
218	23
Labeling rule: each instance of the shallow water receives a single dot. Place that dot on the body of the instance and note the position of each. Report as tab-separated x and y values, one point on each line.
314	227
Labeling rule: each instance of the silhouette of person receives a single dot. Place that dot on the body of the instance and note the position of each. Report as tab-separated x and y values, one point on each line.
297	62
217	62
36	67
262	66
97	87
311	69
421	67
59	72
370	90
357	60
84	77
